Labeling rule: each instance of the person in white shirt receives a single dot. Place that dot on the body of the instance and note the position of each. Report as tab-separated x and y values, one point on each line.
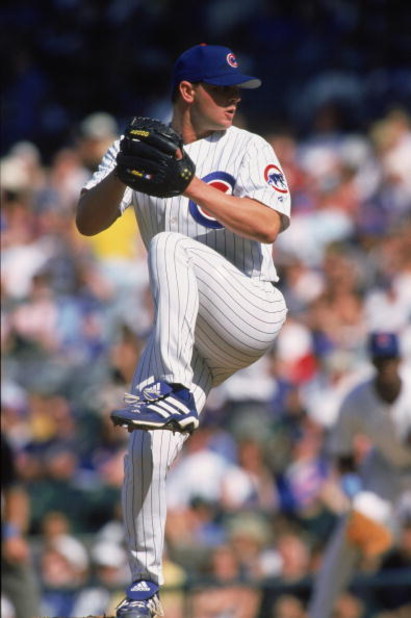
379	408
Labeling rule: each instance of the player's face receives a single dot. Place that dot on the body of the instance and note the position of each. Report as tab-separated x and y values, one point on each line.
214	107
387	368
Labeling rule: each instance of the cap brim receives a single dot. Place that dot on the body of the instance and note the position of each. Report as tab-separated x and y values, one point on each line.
242	81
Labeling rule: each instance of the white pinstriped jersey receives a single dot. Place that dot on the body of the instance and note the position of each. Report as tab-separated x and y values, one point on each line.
235	161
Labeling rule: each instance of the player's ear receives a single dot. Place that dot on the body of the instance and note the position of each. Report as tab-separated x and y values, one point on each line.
187	91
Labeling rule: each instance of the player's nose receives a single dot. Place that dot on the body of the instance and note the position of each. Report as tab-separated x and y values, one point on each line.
235	97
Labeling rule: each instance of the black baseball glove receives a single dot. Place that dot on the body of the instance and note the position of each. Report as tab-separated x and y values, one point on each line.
147	160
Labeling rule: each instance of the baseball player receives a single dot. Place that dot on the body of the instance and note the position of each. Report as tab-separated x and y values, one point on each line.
380	409
210	199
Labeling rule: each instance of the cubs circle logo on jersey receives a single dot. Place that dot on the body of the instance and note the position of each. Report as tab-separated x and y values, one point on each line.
232	60
219	180
275	178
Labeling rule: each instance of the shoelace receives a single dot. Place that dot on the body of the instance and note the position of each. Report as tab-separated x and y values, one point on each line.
136	604
133	400
153	605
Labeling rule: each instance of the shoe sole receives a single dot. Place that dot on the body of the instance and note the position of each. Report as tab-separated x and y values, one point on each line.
174	426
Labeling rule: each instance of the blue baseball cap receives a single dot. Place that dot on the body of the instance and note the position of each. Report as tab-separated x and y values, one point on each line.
383	345
211	64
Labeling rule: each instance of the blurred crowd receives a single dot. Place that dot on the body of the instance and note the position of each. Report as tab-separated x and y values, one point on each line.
64	59
252	498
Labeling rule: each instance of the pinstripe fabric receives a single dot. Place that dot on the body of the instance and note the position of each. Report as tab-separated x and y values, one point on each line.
203	302
216	311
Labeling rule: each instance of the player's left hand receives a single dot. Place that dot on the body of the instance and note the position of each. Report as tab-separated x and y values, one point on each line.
152	159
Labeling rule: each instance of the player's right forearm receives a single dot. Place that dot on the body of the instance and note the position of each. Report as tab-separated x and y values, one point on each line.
98	207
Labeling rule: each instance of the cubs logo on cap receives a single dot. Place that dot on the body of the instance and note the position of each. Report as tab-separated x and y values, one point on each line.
383	345
232	60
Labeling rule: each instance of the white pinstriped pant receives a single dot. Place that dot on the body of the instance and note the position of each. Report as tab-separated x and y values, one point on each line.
210	321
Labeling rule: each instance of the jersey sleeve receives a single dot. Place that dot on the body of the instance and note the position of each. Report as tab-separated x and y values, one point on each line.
106	166
261	178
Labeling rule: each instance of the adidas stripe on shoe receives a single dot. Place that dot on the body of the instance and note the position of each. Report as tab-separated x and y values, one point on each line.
142	601
159	406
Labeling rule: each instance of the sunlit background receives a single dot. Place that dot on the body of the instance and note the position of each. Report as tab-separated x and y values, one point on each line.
252	498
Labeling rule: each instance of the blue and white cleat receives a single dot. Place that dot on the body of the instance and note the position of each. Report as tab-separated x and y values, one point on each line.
142	601
159	406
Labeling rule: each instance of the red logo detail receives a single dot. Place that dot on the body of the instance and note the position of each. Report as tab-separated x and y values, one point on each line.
232	60
222	186
275	178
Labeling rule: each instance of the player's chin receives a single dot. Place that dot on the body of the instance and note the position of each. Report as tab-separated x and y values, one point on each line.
227	120
223	122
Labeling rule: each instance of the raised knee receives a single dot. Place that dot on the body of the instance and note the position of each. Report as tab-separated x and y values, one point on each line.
164	238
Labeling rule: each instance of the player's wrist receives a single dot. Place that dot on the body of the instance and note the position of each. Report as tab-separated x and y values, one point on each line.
115	178
194	188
